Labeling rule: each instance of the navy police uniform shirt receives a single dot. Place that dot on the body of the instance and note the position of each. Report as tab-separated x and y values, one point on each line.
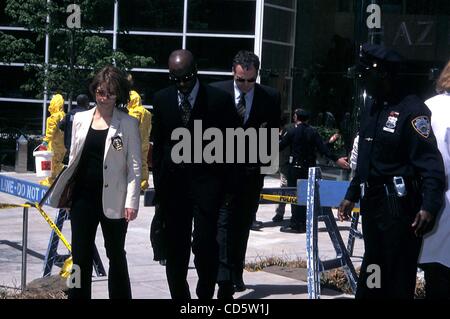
396	139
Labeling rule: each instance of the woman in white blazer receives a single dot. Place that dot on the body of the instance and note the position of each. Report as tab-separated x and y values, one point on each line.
101	184
435	255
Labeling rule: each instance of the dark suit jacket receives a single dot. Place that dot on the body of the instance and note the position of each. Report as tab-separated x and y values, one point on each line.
216	109
265	109
265	106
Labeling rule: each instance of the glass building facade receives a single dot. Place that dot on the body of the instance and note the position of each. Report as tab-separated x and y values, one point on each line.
305	46
214	30
328	38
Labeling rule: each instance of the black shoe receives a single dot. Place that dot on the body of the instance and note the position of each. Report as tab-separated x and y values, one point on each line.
256	225
294	230
239	285
277	218
226	290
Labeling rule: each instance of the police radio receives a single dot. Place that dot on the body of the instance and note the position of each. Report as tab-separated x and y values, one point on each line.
400	187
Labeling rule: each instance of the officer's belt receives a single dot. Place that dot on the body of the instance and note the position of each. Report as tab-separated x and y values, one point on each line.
388	180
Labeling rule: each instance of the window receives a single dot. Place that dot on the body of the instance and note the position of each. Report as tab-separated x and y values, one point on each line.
154	15
276	31
26	116
222	16
216	54
157	47
22	55
11	80
213	78
147	83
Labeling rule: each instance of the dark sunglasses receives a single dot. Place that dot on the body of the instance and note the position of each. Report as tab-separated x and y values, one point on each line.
179	79
103	93
245	80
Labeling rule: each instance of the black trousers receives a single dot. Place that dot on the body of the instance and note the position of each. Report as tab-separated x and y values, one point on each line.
298	213
437	281
390	246
239	220
85	215
196	206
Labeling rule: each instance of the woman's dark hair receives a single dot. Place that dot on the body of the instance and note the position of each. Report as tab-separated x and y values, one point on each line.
116	81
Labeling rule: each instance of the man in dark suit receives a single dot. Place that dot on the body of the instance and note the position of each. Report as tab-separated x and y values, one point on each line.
258	106
189	191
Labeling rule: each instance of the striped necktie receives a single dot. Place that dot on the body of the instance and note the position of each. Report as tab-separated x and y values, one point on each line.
241	106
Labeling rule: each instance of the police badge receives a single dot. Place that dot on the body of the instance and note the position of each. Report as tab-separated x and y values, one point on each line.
117	143
391	122
422	125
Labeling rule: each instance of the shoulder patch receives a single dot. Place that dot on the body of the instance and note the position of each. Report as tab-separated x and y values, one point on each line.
422	125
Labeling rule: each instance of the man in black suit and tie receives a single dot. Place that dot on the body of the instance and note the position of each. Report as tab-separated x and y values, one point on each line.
258	106
189	191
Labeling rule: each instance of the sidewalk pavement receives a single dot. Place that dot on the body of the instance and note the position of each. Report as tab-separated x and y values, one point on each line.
148	279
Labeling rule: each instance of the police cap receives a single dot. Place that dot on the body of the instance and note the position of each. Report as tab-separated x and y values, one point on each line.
376	56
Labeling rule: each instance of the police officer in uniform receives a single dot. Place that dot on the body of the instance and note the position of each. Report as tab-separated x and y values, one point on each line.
399	179
304	141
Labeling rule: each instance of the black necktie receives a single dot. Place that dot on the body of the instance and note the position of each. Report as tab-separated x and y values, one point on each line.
241	106
185	108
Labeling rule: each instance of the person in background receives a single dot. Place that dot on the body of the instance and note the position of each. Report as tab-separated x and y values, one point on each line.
101	184
54	137
138	111
66	123
284	168
304	142
434	257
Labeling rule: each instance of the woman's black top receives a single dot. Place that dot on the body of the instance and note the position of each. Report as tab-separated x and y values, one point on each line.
90	169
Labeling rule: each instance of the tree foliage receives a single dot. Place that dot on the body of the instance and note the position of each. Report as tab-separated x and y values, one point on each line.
89	49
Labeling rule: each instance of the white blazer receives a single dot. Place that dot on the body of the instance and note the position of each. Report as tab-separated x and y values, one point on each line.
121	167
436	244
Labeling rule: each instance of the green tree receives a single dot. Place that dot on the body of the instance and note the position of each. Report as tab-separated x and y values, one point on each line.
76	54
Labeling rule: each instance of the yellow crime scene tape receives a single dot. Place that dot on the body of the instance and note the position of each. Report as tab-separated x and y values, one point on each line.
7	206
280	198
289	200
66	269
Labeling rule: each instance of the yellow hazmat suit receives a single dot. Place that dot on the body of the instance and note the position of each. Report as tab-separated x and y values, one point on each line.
136	110
54	137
